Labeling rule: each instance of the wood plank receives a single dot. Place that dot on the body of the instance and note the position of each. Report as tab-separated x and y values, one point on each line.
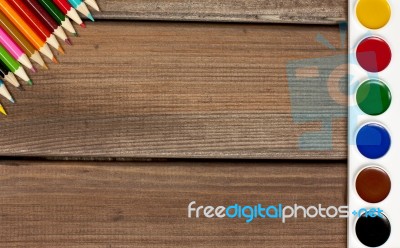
75	204
172	90
284	11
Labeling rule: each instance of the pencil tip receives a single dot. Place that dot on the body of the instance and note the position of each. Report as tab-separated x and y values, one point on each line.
90	17
55	60
21	88
33	69
61	50
30	83
68	41
83	25
2	110
76	34
12	100
45	66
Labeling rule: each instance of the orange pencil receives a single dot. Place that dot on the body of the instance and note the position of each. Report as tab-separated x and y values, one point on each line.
27	31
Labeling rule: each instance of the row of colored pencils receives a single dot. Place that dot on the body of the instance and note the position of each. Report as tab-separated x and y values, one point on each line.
28	28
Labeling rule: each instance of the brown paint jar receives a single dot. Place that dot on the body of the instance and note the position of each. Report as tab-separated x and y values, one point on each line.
373	184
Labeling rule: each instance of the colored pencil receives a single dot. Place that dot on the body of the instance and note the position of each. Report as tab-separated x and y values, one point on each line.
7	75
69	11
13	65
80	6
36	41
4	92
57	15
2	110
20	39
15	50
47	20
93	4
37	25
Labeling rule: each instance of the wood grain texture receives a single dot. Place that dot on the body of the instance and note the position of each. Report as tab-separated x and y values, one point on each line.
258	11
75	204
184	91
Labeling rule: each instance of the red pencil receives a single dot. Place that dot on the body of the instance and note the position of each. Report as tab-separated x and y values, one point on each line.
68	10
48	21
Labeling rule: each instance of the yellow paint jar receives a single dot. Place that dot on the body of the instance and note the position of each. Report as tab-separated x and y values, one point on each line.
373	14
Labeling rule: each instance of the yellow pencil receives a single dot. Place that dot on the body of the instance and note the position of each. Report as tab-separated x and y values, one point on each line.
2	110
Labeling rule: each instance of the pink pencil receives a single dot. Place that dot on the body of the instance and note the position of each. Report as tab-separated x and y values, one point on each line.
14	49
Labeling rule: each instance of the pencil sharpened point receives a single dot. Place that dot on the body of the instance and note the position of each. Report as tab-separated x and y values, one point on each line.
55	60
83	25
61	50
12	100
90	17
30	83
68	41
3	111
21	88
33	69
45	67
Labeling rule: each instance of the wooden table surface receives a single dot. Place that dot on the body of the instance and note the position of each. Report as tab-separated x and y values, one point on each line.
110	146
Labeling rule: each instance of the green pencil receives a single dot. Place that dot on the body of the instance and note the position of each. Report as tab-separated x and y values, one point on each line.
13	65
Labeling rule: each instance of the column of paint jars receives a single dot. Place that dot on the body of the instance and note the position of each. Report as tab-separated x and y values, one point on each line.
373	140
